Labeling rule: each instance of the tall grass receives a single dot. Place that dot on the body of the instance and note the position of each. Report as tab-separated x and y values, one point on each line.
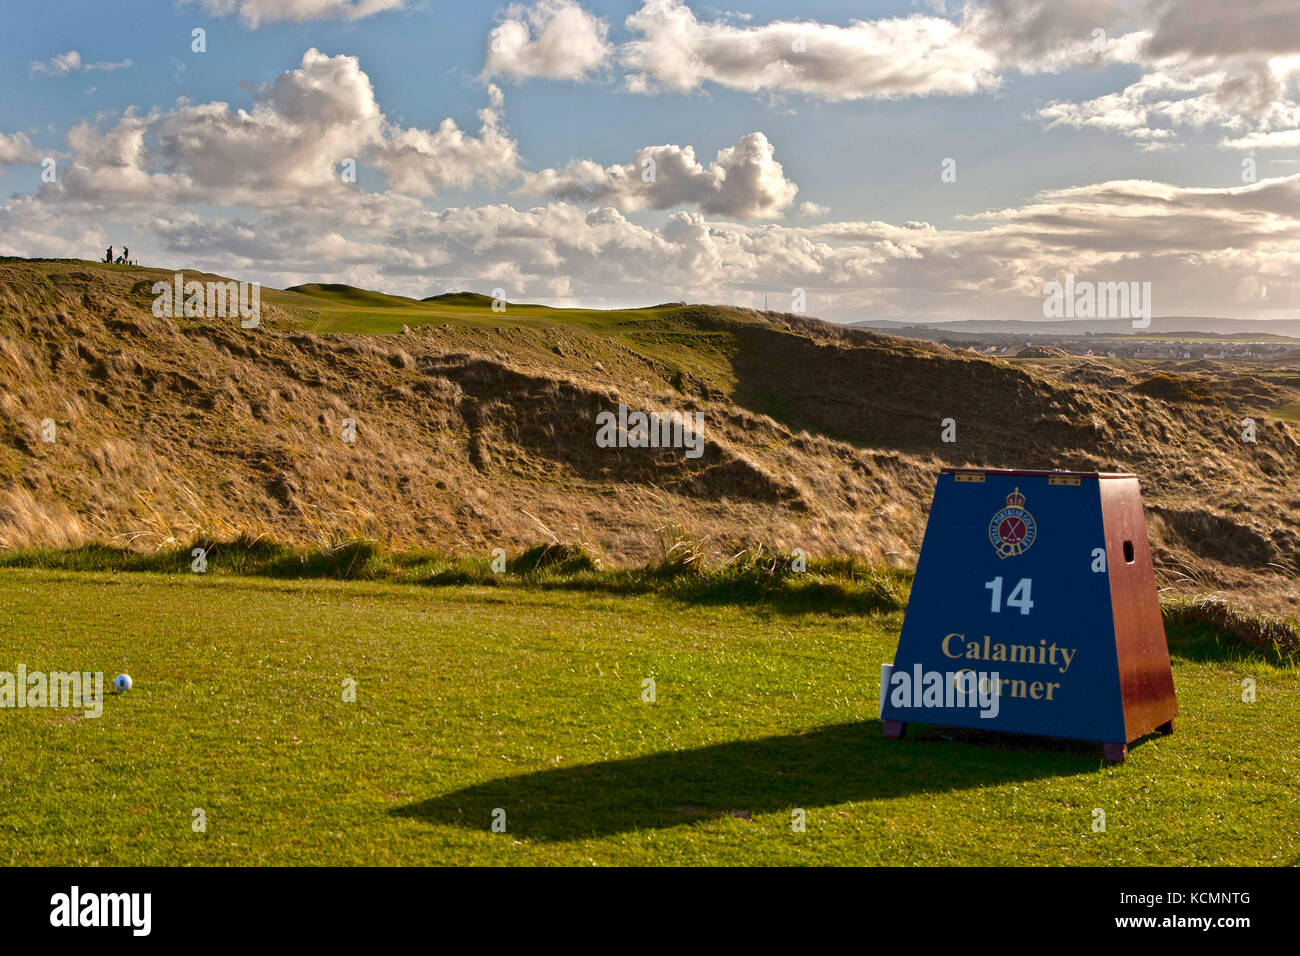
1207	627
843	585
1202	627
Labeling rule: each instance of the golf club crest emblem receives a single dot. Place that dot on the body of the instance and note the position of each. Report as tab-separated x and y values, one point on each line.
1012	529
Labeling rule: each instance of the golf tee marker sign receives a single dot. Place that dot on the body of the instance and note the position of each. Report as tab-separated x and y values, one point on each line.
1034	611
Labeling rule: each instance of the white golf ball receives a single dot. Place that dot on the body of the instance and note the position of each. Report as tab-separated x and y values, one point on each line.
122	682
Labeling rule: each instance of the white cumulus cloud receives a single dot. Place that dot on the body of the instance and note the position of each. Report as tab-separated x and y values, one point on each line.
556	39
17	150
1206	66
422	162
914	55
290	145
745	181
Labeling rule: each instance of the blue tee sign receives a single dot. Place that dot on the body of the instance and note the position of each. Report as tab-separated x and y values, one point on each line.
1034	611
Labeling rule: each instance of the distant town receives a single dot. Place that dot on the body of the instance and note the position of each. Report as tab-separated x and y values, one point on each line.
1189	345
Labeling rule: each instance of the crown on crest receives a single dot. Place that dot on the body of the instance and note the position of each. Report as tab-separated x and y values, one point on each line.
1015	499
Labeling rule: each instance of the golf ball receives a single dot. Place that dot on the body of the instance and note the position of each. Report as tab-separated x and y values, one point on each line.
122	681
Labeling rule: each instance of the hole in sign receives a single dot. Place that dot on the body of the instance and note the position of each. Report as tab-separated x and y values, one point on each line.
1128	552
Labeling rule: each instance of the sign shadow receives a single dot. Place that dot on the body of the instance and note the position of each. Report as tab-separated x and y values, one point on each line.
828	766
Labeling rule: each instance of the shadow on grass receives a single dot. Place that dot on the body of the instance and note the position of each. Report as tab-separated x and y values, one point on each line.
831	765
1215	630
782	596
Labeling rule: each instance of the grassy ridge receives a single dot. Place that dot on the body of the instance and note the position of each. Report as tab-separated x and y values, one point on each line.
342	308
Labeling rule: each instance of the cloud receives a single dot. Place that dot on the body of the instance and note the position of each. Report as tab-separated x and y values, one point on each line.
71	62
254	192
253	13
1203	67
31	227
1229	251
17	150
914	55
1278	139
1035	36
60	65
744	182
1159	97
423	162
1212	29
555	39
301	126
1250	100
1206	67
284	150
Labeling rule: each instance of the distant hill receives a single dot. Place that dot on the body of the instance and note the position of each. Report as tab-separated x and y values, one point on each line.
1241	328
461	298
476	429
1041	351
350	294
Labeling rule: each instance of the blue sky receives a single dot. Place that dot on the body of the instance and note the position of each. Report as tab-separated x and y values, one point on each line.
1041	122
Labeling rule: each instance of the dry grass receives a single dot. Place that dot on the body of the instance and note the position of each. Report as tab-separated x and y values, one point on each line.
471	436
1275	635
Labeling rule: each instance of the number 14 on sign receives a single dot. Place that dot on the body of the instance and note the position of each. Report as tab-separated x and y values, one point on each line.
1019	596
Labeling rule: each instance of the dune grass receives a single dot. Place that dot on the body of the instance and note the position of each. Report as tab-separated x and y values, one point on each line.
835	585
472	699
1201	626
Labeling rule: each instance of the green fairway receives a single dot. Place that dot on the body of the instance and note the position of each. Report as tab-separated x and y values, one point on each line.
470	699
668	336
342	308
1290	411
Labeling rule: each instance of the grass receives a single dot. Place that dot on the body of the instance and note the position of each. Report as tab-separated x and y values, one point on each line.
1176	388
1207	627
1290	411
529	699
668	336
341	308
835	585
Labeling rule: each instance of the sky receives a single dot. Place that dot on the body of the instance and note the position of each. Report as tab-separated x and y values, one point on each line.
906	160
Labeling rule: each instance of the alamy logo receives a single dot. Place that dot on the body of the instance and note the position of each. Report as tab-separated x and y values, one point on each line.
210	300
651	430
75	908
34	689
1098	300
965	688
